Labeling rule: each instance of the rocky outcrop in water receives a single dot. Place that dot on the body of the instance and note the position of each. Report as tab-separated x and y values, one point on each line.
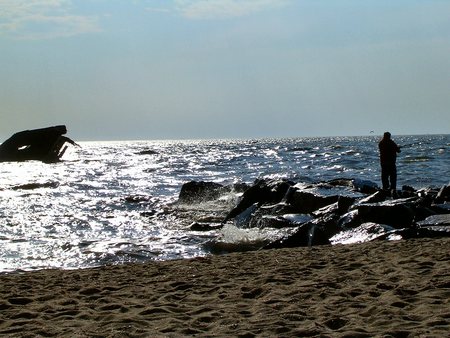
336	212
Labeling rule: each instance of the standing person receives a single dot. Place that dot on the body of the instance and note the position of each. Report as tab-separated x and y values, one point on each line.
388	156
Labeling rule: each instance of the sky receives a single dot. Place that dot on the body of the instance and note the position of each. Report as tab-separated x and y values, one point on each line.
202	69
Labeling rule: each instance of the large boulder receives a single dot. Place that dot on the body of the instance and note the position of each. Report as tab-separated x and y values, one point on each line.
436	220
443	194
396	213
200	191
366	232
263	191
306	201
307	234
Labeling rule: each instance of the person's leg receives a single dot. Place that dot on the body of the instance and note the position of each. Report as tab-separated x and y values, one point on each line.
393	178
385	177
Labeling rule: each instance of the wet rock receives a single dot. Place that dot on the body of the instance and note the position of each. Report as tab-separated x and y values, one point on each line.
328	224
341	182
198	226
443	208
148	213
365	186
427	193
407	191
326	210
298	218
310	200
344	204
262	192
137	199
431	231
200	191
366	232
277	222
443	194
280	221
306	235
396	213
240	187
147	152
32	186
350	220
243	219
436	220
376	197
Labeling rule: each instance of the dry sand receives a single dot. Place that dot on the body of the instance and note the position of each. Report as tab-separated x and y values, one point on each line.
386	289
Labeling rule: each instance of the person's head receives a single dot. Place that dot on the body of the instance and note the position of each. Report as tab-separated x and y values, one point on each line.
387	135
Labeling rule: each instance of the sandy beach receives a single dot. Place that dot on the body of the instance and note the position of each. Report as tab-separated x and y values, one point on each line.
388	289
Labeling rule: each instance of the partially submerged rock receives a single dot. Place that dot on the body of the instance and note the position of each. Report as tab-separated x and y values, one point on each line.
192	192
45	144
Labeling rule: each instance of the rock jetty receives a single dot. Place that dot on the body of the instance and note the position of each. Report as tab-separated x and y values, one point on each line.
339	211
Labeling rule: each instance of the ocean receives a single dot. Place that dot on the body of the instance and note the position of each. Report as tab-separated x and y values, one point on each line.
109	202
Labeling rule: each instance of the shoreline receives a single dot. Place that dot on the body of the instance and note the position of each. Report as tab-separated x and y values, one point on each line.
388	288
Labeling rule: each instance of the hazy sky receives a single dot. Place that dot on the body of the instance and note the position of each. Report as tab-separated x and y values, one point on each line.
176	69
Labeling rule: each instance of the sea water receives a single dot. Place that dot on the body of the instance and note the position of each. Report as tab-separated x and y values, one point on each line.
108	202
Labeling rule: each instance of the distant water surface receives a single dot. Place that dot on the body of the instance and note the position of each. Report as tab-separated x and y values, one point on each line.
91	208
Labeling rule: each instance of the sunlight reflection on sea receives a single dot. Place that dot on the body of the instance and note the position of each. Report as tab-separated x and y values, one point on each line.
91	209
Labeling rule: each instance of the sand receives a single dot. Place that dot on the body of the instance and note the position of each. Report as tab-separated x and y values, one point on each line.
386	289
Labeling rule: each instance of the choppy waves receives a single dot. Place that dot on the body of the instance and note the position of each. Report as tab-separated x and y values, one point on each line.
106	203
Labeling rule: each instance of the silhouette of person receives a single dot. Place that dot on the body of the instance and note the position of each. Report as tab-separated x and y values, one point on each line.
388	156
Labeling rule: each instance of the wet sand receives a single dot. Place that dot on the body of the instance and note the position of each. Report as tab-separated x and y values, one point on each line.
388	289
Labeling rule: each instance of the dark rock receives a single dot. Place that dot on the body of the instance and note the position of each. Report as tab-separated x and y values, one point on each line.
427	193
436	220
200	191
267	216
262	192
45	144
310	198
277	222
366	232
147	152
408	189
297	218
328	224
32	186
376	197
443	194
284	221
432	231
396	213
443	208
240	187
308	201
364	186
341	182
306	235
422	212
326	210
149	213
137	199
344	204
198	226
350	220
243	219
